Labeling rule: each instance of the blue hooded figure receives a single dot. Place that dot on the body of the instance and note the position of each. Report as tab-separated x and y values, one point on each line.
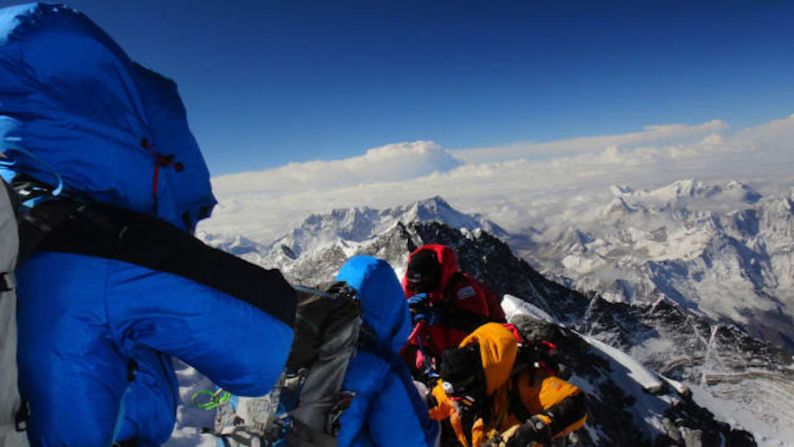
387	409
117	285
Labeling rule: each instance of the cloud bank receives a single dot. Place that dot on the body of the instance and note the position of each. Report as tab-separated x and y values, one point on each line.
393	162
508	185
660	135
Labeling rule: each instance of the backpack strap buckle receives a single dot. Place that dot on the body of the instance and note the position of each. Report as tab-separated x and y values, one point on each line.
21	417
8	281
277	429
343	401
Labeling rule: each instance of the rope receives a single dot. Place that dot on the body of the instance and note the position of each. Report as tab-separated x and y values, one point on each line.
214	398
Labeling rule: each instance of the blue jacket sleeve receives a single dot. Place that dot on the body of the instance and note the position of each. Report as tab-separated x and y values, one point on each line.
363	376
398	416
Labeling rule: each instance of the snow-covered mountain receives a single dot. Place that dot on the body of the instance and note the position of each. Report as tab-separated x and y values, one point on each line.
322	242
722	250
740	379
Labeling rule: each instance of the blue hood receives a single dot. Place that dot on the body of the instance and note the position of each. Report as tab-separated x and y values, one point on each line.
382	299
73	105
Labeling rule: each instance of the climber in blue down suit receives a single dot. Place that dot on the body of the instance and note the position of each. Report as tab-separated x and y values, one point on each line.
387	409
117	285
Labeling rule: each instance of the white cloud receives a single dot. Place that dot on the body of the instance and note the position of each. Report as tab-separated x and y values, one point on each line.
516	193
393	162
659	135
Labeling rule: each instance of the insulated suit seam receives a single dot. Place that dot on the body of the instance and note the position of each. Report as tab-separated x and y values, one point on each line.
105	289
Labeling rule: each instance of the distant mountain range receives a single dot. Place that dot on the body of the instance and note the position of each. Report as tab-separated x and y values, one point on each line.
721	250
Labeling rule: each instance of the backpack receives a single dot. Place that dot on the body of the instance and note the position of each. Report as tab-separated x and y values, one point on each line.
536	352
304	408
536	347
12	410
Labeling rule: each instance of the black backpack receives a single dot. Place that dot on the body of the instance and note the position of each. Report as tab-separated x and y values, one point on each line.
303	410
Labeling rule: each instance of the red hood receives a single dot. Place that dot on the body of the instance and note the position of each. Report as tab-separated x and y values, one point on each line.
449	265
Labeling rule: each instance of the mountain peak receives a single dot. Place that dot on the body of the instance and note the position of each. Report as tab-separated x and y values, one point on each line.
685	188
347	227
686	192
435	201
436	209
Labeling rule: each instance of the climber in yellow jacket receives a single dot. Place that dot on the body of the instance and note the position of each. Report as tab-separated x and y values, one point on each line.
492	399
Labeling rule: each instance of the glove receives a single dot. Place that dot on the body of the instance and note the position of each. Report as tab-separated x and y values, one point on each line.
419	306
534	431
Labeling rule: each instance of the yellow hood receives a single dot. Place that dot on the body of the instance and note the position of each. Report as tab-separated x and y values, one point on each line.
498	350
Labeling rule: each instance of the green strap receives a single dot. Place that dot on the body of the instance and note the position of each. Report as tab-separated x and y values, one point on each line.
210	400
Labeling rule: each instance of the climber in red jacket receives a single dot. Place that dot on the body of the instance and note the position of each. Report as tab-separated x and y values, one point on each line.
446	305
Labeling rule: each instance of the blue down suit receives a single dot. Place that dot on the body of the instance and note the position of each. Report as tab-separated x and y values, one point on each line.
120	286
387	409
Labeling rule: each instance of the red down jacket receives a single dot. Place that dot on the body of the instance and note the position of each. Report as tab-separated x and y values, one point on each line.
462	302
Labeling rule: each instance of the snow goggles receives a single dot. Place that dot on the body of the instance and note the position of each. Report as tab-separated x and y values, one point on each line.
420	282
423	272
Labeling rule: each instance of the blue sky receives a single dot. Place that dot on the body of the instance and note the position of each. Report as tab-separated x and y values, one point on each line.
272	82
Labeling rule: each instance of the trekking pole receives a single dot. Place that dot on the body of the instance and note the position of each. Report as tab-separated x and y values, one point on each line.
419	333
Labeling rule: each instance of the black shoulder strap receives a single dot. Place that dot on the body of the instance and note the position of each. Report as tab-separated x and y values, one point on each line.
368	342
469	415
115	233
36	225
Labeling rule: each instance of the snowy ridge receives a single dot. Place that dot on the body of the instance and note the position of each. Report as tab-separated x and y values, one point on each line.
516	306
640	374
